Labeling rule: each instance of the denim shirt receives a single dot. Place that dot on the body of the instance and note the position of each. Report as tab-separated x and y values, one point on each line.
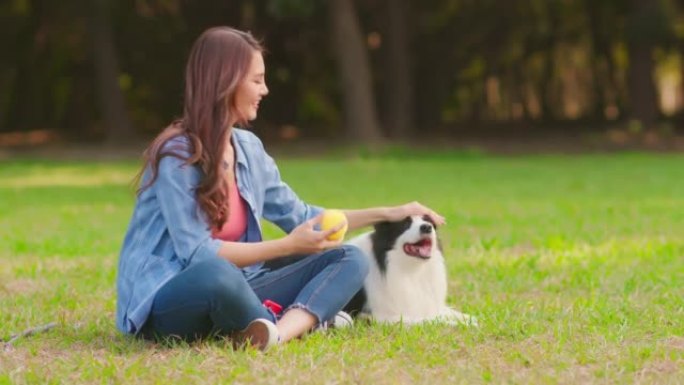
168	232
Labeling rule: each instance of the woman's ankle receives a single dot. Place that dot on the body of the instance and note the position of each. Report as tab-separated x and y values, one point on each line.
295	323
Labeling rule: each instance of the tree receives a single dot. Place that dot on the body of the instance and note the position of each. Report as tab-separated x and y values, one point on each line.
399	82
354	68
118	125
27	107
643	33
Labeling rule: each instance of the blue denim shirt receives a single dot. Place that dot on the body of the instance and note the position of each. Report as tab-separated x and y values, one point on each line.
168	232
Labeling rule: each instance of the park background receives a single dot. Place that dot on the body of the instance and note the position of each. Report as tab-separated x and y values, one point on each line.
608	72
548	133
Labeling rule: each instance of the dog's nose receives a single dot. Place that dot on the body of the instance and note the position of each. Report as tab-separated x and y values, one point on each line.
425	228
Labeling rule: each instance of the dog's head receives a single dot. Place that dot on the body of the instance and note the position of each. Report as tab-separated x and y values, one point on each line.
414	236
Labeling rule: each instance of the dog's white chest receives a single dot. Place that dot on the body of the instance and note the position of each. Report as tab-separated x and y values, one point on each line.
412	291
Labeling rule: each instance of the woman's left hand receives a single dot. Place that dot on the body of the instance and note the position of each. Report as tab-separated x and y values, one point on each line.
398	213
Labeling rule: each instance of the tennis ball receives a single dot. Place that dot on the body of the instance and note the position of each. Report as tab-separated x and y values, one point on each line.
331	219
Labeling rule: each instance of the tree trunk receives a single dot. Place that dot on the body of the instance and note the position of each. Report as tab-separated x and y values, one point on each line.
27	106
642	92
354	68
600	49
643	102
119	128
399	83
547	101
434	83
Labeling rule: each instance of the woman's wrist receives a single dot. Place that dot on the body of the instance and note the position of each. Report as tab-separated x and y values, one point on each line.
285	246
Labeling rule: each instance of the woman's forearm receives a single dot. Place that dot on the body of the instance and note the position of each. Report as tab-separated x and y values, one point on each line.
304	240
357	219
366	217
244	254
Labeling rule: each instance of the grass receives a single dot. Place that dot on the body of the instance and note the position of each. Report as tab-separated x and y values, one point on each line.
574	266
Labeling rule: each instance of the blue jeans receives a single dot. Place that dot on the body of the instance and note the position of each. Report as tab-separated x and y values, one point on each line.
214	297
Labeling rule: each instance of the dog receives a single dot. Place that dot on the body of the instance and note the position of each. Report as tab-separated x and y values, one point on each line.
407	280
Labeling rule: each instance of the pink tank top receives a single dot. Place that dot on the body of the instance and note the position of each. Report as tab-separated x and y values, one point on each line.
236	225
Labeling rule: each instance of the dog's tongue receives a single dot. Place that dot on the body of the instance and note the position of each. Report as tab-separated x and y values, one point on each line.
421	249
425	250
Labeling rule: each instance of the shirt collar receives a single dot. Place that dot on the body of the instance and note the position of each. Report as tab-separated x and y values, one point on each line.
239	151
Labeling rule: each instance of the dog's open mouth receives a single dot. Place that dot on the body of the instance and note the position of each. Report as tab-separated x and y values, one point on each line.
421	249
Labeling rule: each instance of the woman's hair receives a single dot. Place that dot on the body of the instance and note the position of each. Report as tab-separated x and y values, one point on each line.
219	61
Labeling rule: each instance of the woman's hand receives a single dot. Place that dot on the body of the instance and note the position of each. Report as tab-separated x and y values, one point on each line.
304	239
398	213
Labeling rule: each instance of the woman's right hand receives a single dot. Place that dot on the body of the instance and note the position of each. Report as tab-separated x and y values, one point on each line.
305	240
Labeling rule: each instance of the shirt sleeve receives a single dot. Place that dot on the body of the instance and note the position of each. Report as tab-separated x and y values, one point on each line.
186	223
282	206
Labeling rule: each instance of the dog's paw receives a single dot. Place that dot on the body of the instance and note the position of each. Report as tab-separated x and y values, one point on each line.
469	320
453	317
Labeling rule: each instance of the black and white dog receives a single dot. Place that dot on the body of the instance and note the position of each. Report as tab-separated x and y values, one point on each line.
407	281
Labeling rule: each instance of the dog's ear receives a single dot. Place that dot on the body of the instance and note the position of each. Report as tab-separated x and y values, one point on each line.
392	230
381	227
398	227
384	238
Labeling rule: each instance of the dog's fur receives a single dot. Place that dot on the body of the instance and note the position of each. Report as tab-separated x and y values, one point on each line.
407	281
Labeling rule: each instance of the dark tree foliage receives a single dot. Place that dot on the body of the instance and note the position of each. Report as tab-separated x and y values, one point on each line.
110	70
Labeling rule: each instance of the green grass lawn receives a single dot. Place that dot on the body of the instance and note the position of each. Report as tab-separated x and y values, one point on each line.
574	266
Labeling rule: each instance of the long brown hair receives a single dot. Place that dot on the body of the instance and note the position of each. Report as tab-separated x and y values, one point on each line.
219	61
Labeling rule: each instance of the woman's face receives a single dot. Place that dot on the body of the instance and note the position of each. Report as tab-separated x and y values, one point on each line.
252	89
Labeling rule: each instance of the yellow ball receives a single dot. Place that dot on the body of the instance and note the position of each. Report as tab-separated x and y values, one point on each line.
331	219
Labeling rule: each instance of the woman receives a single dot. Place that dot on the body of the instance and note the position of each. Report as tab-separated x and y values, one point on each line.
193	259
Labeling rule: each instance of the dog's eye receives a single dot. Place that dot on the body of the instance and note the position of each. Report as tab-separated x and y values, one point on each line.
427	218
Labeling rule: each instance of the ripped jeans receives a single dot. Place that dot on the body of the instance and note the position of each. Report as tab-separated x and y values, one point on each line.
214	297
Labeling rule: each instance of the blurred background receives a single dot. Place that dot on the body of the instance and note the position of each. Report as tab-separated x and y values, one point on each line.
599	72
